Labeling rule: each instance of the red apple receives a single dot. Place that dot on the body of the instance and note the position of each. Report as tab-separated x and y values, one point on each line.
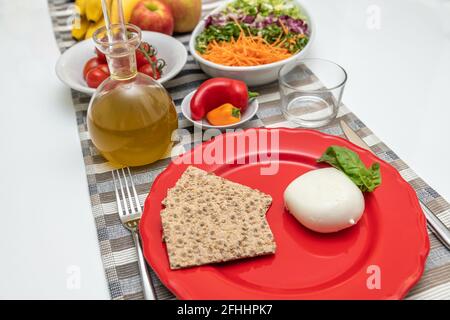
153	15
186	13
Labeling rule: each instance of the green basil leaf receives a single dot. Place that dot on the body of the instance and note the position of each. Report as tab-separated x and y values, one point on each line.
341	158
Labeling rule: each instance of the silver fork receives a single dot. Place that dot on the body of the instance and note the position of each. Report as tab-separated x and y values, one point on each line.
130	213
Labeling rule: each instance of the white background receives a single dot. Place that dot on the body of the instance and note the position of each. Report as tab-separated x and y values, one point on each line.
399	84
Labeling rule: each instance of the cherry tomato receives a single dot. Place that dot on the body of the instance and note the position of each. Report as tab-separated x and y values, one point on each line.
97	75
148	48
100	56
145	46
145	54
104	67
90	64
141	60
150	70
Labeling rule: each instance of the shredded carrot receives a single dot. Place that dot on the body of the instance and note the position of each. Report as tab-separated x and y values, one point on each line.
285	29
247	50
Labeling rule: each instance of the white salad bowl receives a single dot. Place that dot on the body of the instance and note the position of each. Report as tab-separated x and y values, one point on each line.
252	75
69	67
247	115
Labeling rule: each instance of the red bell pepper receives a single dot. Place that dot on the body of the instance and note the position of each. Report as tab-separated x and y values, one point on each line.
217	91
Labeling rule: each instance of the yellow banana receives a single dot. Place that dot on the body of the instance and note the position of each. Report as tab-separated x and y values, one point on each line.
94	26
127	5
81	7
94	10
79	27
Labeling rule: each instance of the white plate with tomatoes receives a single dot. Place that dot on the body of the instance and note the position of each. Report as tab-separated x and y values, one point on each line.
169	57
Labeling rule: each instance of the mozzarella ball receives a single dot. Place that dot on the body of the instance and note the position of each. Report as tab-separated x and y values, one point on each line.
324	200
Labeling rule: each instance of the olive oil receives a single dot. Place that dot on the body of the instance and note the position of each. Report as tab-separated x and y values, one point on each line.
132	125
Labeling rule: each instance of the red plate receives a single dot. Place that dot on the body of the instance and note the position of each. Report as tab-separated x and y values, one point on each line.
388	246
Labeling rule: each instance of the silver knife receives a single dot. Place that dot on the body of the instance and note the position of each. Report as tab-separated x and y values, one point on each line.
439	229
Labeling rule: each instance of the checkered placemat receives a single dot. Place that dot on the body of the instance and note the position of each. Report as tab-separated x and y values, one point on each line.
116	244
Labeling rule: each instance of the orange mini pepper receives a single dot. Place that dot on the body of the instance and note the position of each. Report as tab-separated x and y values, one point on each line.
224	115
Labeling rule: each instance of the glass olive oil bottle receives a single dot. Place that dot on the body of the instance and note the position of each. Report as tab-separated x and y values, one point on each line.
131	117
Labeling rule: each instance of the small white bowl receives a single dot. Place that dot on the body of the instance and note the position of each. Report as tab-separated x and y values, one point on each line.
248	114
254	75
69	67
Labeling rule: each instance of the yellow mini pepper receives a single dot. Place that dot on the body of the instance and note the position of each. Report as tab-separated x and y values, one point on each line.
224	115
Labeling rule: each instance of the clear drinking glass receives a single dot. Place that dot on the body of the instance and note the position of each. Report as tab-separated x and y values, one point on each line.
311	91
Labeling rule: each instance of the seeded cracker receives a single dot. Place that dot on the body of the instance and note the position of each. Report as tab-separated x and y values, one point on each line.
208	219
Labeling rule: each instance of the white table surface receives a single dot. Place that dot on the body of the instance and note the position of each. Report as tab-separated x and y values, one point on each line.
399	84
